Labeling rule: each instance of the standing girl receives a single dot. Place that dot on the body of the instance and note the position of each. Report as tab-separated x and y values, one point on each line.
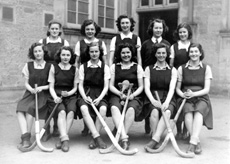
94	78
162	78
63	79
53	43
35	72
194	80
178	57
125	25
126	69
156	29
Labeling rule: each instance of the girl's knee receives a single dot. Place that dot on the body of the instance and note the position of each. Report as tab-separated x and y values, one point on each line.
103	110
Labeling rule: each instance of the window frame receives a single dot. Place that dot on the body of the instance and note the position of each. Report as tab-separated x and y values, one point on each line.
13	14
166	3
44	14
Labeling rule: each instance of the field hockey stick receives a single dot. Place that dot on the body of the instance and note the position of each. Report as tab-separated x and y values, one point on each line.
42	132
171	136
172	125
120	126
108	131
37	128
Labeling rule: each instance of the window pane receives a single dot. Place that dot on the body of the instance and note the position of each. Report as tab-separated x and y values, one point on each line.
109	23
85	0
101	11
158	2
101	21
110	3
81	18
71	17
101	2
173	1
7	13
48	17
72	5
109	12
83	7
144	2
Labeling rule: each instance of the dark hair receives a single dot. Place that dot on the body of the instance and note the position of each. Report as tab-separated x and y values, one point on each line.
182	25
199	47
92	44
88	22
57	57
151	25
53	22
156	46
125	45
31	51
118	22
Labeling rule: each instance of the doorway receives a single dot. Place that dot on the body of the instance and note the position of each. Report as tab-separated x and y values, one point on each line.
169	16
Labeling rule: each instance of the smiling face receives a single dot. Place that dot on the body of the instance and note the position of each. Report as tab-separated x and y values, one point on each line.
90	31
183	34
125	24
161	54
157	29
38	53
65	56
126	54
94	53
54	30
194	54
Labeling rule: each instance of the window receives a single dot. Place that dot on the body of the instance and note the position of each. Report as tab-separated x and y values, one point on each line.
173	1
106	11
8	14
47	18
78	11
158	2
144	2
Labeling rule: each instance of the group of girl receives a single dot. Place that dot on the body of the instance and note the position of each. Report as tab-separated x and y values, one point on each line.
75	79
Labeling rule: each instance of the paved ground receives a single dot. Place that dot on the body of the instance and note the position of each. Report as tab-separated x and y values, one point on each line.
215	143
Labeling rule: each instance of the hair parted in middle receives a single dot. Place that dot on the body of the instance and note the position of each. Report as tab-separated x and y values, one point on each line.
57	57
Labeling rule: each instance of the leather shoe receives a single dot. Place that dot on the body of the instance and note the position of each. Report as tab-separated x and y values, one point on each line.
100	143
191	148
152	144
92	144
198	149
125	145
58	144
65	146
46	136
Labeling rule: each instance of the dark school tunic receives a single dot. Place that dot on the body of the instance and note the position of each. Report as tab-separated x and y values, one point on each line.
27	103
93	86
147	56
131	76
194	80
181	56
160	82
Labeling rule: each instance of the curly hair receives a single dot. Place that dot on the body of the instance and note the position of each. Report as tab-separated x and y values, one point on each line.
157	46
182	25
118	22
54	22
93	44
125	45
152	23
57	56
192	45
89	22
31	51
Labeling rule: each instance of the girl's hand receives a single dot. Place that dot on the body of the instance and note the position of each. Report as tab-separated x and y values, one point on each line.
96	101
32	91
38	89
58	100
165	106
122	96
189	94
64	93
87	100
156	104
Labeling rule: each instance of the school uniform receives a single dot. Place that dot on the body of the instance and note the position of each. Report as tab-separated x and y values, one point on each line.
64	80
36	74
132	74
160	79
81	46
53	46
194	80
131	38
179	51
147	56
93	77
